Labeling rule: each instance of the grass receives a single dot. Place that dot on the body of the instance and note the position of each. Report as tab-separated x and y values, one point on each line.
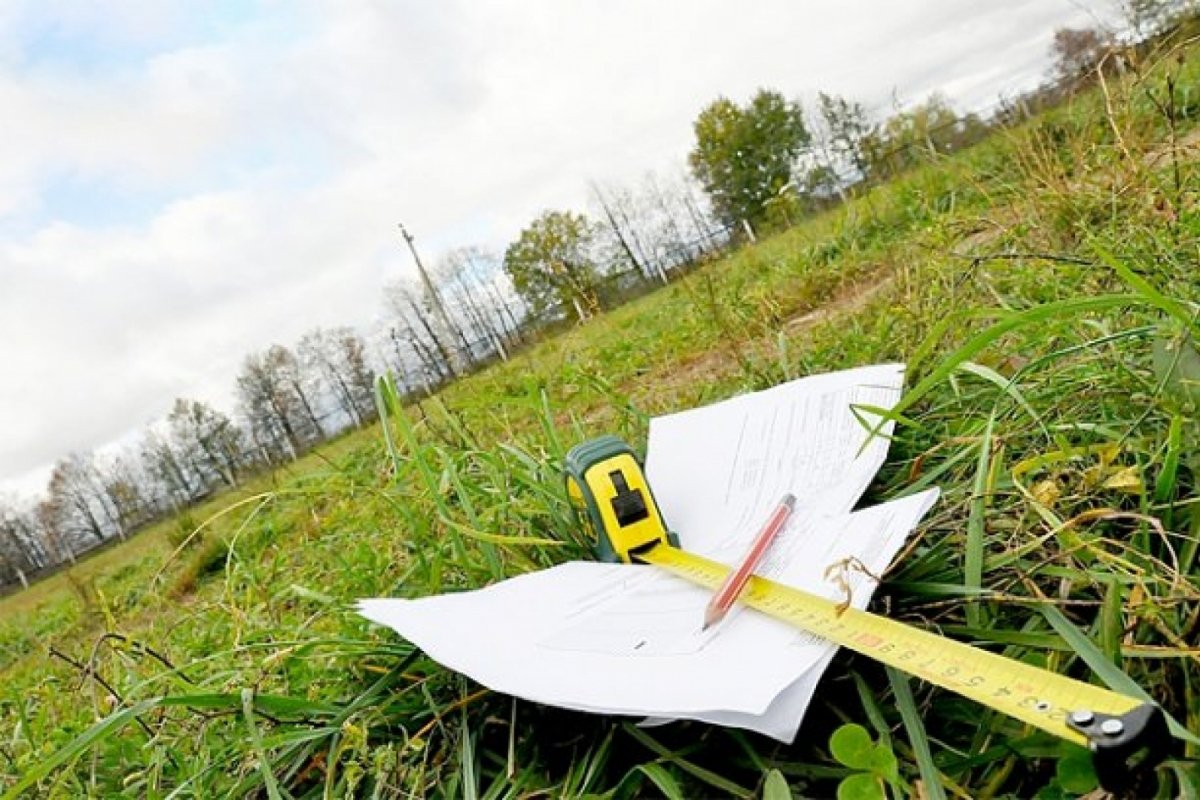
1042	287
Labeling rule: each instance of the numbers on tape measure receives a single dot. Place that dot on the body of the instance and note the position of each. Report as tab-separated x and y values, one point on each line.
1036	696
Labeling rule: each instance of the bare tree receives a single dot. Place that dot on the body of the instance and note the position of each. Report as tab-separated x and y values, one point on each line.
22	550
338	356
46	518
405	361
280	416
207	441
418	333
481	299
615	209
125	487
76	498
288	370
486	269
1148	17
1078	51
668	208
14	564
658	225
170	470
266	408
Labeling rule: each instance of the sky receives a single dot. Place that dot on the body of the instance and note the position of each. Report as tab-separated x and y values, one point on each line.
185	183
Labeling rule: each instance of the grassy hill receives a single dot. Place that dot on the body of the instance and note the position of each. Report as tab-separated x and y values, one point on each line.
1042	287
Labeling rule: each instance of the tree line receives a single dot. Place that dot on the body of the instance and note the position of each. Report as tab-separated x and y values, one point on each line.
288	401
753	167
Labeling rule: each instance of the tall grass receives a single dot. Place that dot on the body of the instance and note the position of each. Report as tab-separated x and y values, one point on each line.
1042	287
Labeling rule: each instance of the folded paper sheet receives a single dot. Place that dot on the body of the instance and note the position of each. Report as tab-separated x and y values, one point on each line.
626	639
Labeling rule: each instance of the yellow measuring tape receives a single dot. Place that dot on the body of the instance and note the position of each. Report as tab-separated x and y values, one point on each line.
605	481
1042	698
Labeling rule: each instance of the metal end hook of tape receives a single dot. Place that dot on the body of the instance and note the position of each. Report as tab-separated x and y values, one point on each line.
1125	745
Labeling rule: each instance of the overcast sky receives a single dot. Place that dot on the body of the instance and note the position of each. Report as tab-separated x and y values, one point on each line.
183	183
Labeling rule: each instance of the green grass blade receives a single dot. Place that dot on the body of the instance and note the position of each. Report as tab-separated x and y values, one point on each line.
707	776
256	743
931	778
1009	387
662	778
1148	291
976	524
1047	312
470	781
387	405
868	696
1164	486
1111	620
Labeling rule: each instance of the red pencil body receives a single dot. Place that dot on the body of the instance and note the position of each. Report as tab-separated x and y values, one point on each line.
728	594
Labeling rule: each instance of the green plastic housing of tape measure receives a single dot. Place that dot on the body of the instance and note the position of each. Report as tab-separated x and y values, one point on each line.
606	484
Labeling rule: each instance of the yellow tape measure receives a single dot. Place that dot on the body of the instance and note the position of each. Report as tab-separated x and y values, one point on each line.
605	480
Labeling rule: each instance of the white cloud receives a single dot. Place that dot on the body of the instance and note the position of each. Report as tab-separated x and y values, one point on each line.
275	155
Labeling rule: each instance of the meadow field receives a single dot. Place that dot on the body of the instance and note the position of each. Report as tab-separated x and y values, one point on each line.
1043	288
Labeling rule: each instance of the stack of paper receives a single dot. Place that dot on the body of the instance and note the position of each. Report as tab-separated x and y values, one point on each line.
626	639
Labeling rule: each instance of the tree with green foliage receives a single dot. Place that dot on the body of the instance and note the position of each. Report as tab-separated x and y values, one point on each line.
744	156
552	264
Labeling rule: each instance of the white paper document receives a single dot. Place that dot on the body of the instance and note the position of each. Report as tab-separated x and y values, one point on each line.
627	639
717	471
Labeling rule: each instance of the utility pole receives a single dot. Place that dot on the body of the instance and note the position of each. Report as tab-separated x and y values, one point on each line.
431	291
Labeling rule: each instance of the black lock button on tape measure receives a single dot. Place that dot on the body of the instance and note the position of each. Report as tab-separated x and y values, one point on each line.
606	483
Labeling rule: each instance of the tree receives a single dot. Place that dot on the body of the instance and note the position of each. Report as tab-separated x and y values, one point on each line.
822	182
416	337
668	207
435	317
290	372
76	500
207	441
620	210
338	356
22	550
1077	51
170	471
645	225
281	418
744	156
552	265
46	518
909	137
845	126
1148	17
126	487
481	297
